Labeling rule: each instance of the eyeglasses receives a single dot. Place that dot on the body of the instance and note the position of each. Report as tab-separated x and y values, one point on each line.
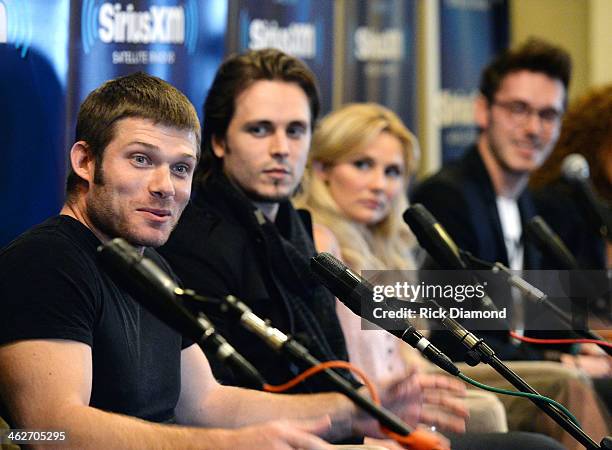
520	112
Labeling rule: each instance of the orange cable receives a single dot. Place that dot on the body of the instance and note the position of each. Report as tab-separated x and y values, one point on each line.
418	439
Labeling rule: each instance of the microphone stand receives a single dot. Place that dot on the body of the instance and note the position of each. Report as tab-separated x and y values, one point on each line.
488	356
346	284
288	346
536	295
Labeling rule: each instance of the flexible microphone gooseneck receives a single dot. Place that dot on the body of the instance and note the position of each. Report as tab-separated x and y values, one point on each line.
352	290
535	295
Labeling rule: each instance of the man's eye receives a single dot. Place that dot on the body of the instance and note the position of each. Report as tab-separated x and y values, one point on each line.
519	108
258	130
550	115
141	160
296	131
182	169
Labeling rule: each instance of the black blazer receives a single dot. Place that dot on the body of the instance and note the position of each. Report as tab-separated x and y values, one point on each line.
461	197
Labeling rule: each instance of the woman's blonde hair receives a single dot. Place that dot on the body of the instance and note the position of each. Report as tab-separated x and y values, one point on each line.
387	244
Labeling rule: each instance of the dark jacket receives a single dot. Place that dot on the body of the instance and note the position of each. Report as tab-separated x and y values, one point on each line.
462	198
224	245
564	211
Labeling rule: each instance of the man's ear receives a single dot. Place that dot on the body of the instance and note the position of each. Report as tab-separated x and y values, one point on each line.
82	161
482	112
218	146
320	170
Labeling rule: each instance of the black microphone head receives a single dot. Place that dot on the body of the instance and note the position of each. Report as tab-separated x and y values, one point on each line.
575	168
550	243
433	237
118	254
338	278
148	284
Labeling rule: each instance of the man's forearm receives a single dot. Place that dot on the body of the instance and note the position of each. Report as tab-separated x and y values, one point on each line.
88	427
236	407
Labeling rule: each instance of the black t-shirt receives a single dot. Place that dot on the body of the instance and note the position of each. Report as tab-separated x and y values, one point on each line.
51	287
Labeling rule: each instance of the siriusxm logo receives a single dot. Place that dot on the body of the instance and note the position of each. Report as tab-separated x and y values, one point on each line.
297	39
16	25
116	23
371	45
160	24
456	108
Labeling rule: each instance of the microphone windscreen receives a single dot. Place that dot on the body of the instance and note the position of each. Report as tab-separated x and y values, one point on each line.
575	167
148	284
433	237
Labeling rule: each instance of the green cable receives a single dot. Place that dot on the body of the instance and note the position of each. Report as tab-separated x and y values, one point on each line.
521	394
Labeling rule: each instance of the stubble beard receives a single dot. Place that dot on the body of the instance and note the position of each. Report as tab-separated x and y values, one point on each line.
110	222
497	154
268	198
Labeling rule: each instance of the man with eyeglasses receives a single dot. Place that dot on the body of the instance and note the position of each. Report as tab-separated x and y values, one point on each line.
482	202
481	199
523	93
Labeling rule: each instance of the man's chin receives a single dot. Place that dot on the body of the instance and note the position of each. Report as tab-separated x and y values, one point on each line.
521	166
265	197
148	240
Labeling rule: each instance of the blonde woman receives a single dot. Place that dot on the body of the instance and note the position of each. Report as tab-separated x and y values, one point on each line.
355	185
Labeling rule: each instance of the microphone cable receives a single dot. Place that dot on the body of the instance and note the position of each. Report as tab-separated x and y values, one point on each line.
376	398
531	340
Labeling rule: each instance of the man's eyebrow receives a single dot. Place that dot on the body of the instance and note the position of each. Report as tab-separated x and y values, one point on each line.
258	122
189	155
271	122
156	149
144	144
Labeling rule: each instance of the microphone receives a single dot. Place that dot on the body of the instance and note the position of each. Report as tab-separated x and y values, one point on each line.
549	242
437	242
575	170
348	286
154	289
536	295
433	237
351	288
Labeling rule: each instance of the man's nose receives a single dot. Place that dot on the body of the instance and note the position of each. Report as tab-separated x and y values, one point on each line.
279	147
534	123
161	184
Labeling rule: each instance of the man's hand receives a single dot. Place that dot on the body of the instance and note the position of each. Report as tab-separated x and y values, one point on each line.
595	366
443	402
389	444
435	400
281	435
403	396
